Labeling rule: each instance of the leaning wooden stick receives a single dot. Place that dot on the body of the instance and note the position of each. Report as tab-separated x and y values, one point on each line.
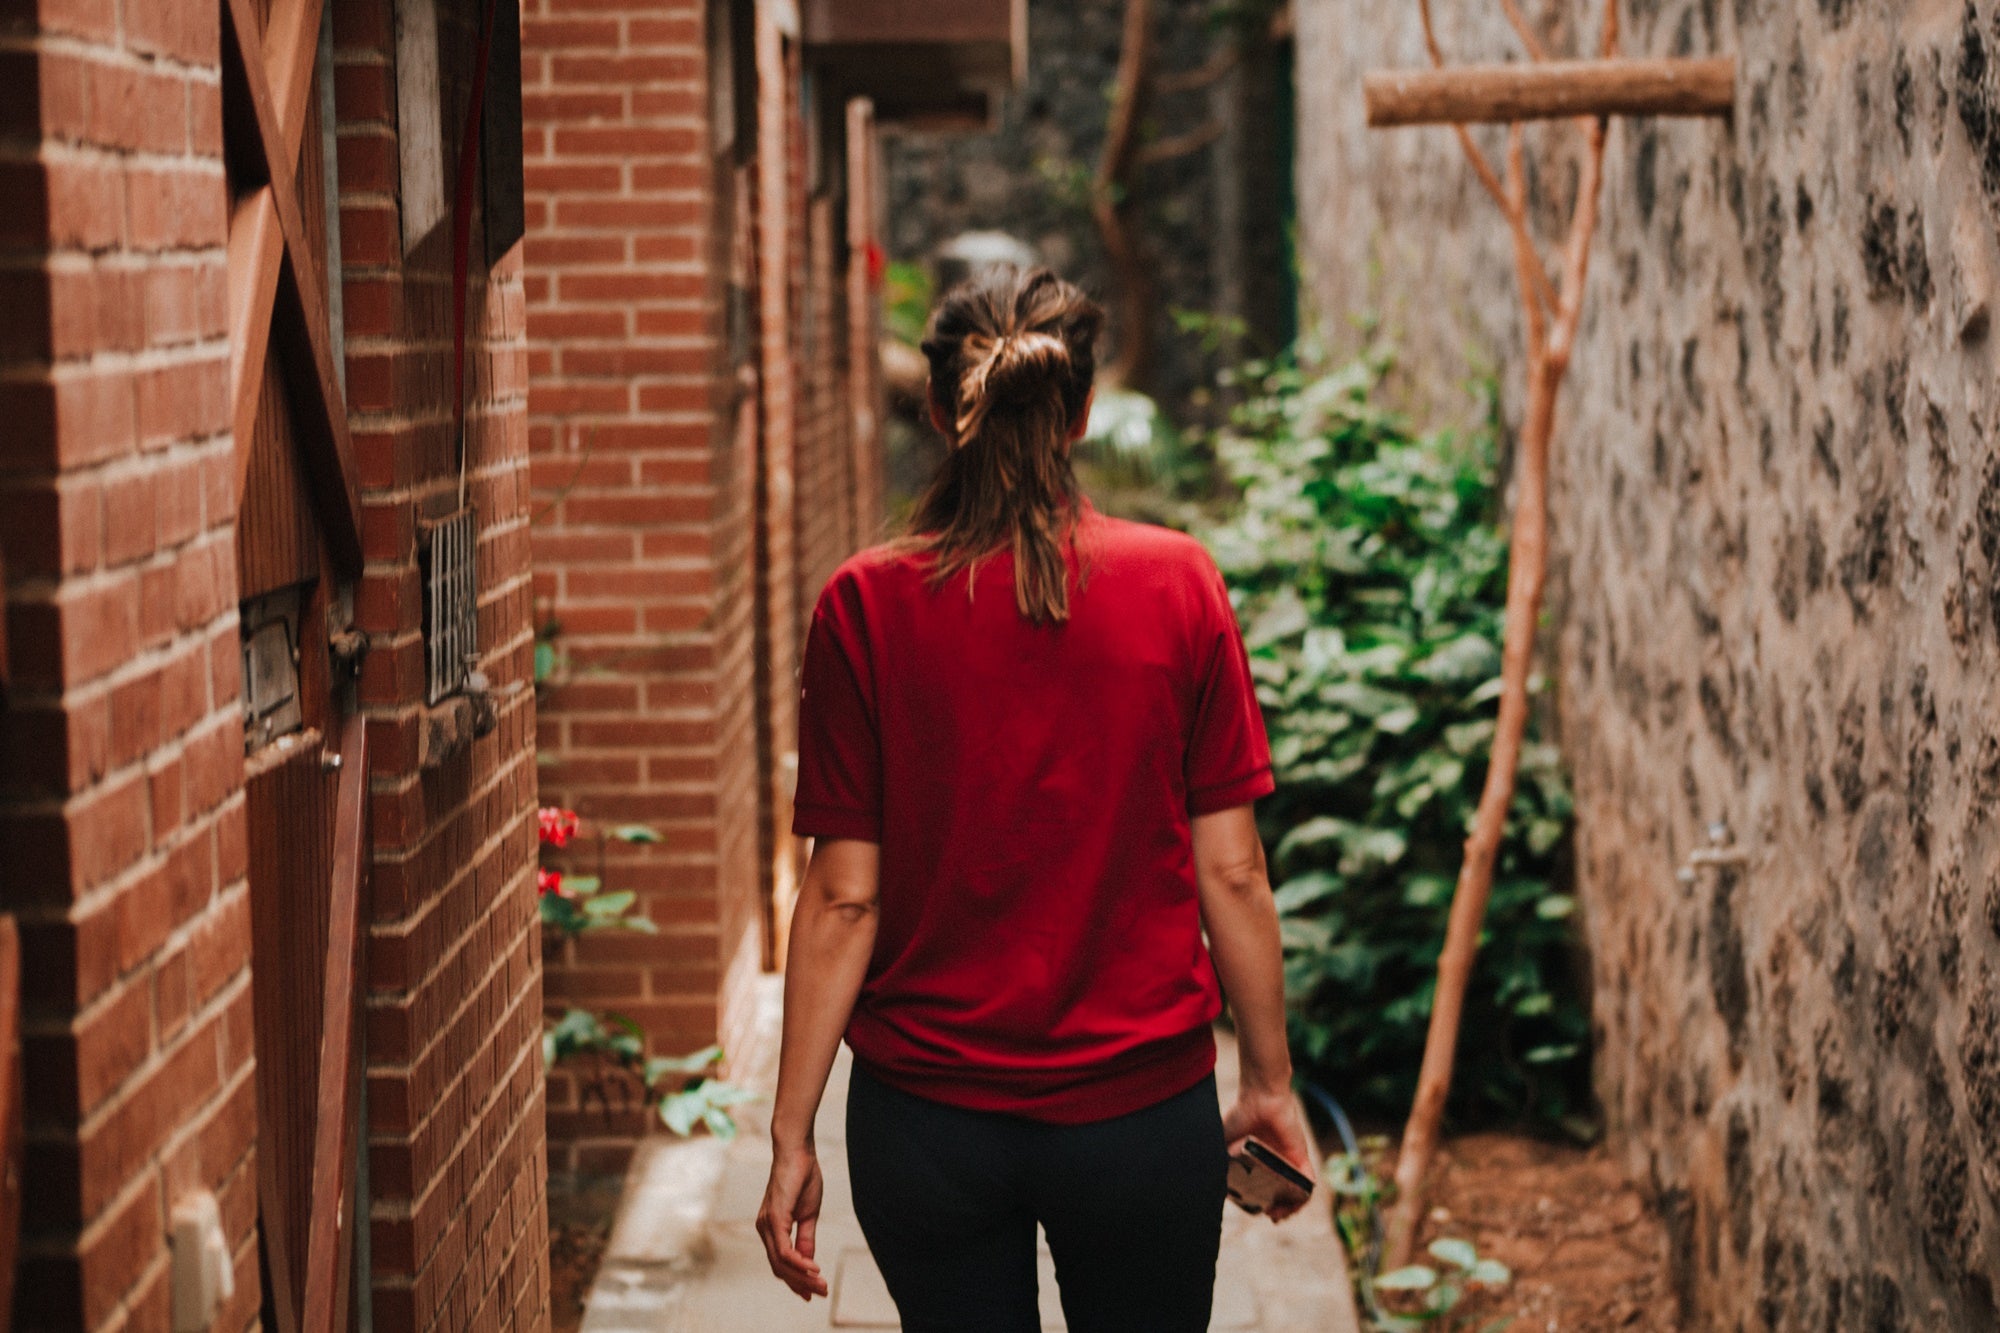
1551	312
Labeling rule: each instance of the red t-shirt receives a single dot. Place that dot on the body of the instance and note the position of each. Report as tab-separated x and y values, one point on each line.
1038	949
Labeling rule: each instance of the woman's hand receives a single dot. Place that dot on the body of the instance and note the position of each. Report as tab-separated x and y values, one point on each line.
791	1200
1272	1118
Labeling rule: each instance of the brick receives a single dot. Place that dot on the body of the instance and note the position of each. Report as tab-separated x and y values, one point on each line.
560	324
117	1253
177	207
683	32
92	19
94	415
545	178
368	164
98	628
181	401
680	102
635	71
568	34
364	95
628	214
111	1043
189	33
130	529
572	105
138	107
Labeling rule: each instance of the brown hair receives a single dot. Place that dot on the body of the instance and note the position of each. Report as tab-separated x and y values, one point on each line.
1012	356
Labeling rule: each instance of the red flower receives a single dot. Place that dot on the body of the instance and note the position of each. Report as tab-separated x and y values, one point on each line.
558	826
878	263
549	881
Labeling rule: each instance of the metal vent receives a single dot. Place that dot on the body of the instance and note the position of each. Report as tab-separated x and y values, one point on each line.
451	605
270	645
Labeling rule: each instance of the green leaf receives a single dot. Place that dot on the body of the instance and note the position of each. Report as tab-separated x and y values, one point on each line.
1555	907
694	1063
1415	1277
1466	658
636	833
1305	890
680	1111
1454	1251
1490	1273
1551	1055
545	660
610	904
1312	833
581	886
1397	721
720	1123
1372	849
1283	617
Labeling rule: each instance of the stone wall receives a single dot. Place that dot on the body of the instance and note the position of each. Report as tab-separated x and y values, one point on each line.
1778	521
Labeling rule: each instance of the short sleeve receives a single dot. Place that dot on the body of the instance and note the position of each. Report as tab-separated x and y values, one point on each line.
840	753
1228	755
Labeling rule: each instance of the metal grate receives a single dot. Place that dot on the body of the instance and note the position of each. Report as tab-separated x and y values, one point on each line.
451	605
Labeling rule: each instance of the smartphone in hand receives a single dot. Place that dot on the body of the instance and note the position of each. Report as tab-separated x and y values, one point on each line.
1260	1180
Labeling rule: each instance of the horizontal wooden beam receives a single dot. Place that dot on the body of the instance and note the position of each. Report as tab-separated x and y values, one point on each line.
1550	90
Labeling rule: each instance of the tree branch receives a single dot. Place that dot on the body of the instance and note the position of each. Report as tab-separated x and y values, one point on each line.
1551	325
1523	30
1201	76
1113	198
1180	145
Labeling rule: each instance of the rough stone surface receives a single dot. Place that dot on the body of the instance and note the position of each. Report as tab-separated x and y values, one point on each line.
1777	605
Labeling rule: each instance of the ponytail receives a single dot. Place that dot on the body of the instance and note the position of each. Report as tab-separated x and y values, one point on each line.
1013	357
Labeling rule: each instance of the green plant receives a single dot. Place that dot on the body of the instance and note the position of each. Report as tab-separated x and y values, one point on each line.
1440	1290
906	300
573	904
1359	1197
683	1089
1368	568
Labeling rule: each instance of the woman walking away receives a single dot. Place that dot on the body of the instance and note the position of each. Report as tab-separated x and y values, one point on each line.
1028	748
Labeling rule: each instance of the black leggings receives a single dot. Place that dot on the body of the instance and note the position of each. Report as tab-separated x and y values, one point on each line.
949	1199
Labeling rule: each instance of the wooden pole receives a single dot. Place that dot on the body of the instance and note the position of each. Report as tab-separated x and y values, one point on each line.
1552	312
1550	90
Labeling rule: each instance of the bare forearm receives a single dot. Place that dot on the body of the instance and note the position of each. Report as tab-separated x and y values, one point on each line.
1243	940
1242	922
833	933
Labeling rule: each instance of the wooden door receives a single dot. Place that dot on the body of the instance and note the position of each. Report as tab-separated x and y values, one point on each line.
298	553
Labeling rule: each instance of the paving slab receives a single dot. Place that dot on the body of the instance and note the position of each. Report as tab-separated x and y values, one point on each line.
684	1256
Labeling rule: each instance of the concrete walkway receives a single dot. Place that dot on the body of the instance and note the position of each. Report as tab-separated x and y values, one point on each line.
684	1255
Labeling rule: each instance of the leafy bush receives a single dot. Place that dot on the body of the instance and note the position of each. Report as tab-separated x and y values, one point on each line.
682	1089
1368	567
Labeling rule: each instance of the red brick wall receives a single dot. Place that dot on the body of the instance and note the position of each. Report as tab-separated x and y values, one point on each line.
643	493
121	765
455	1099
688	507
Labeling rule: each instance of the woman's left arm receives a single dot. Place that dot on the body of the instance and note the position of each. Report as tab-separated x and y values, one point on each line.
833	934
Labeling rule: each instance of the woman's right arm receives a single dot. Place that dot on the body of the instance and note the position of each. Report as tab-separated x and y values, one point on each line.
833	934
1242	922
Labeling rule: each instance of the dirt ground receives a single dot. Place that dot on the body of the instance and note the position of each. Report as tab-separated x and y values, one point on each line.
1586	1251
580	1215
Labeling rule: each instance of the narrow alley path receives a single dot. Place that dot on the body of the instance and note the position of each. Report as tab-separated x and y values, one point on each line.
685	1258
